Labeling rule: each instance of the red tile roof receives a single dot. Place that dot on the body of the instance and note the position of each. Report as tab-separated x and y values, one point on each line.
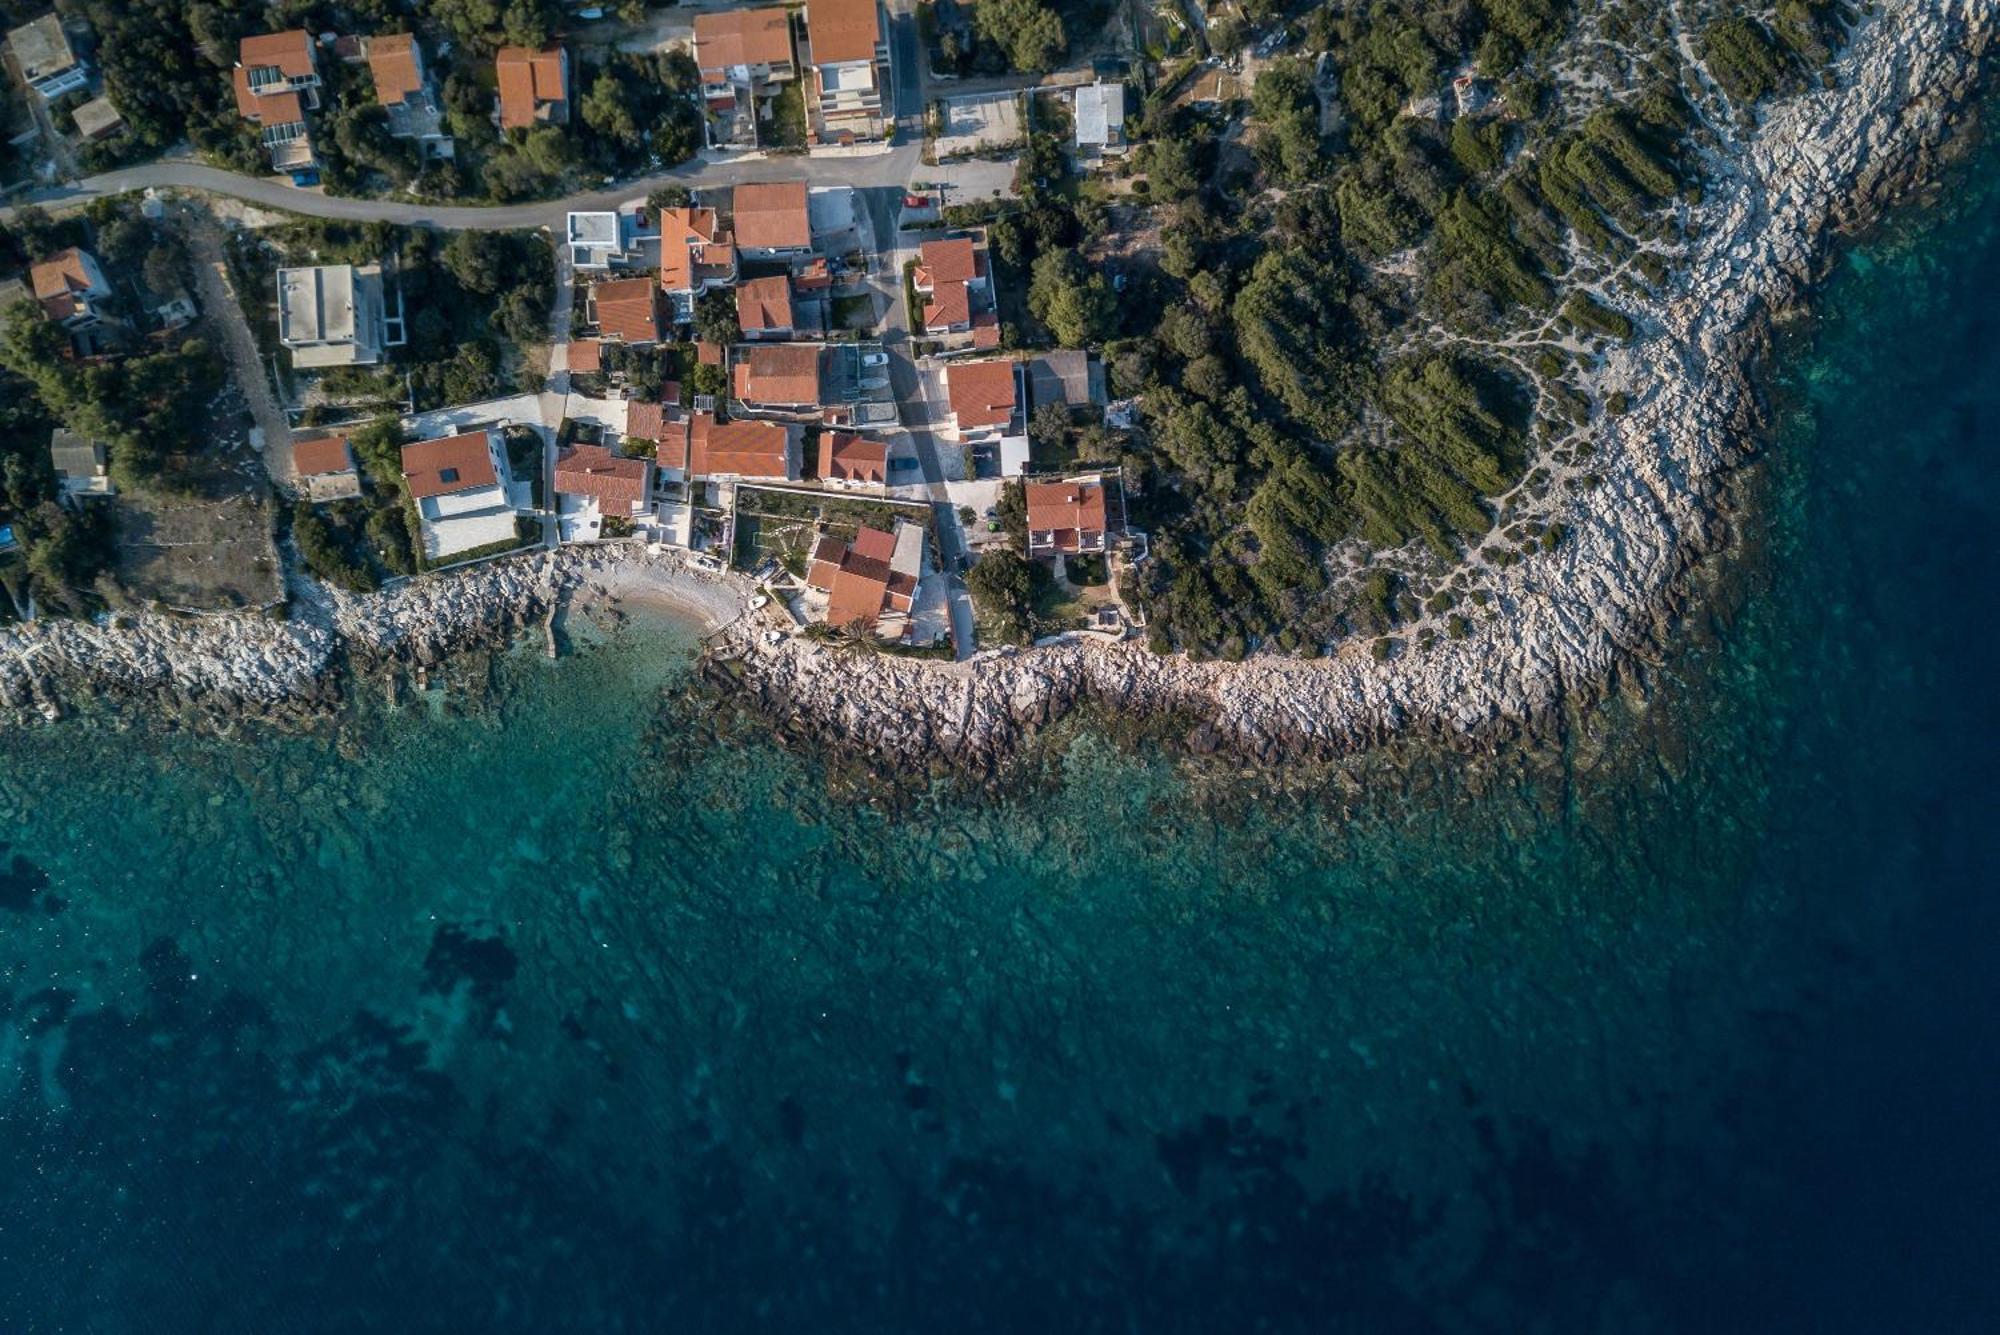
529	81
708	354
986	330
60	274
845	457
627	309
450	464
1065	509
392	60
693	249
744	447
953	261
857	579
981	393
873	543
950	304
773	215
586	354
328	454
290	53
593	470
647	421
842	30
764	305
742	37
58	281
278	107
778	373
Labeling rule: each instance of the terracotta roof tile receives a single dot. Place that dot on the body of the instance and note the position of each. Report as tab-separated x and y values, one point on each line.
773	215
693	250
953	261
1065	509
845	457
529	80
627	309
843	30
449	464
950	304
745	447
60	274
392	60
290	53
742	37
593	470
646	420
328	454
778	373
586	354
764	305
981	393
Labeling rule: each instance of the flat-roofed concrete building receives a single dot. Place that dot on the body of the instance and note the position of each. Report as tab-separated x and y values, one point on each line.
1100	119
82	466
48	63
336	315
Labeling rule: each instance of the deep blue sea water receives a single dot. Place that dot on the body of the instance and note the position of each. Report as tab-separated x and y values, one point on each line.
541	1007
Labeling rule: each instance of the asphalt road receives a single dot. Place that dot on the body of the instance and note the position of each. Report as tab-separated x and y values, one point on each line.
890	168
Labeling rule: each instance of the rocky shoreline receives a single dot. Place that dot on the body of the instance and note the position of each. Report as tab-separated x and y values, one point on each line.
220	669
1567	621
1562	625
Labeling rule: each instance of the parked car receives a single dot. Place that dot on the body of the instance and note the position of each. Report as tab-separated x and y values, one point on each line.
874	359
902	463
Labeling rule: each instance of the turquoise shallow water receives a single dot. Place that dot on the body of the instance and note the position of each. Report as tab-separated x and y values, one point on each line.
539	1007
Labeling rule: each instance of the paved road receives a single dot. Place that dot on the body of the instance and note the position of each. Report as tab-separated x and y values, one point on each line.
890	168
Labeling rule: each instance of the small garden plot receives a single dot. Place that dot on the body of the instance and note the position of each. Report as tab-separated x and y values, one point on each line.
784	525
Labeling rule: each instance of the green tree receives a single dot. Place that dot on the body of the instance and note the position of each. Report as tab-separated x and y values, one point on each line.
1078	308
1030	33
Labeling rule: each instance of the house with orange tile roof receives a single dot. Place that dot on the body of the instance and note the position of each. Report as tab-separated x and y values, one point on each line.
777	377
771	220
952	275
849	55
403	87
326	470
764	308
848	460
745	448
594	484
985	409
533	86
697	254
461	487
626	310
71	289
276	80
746	57
1067	518
869	581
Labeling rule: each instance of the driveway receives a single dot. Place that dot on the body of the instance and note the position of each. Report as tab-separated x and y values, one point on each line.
222	315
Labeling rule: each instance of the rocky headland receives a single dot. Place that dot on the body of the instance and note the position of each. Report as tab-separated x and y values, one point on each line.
1560	623
1557	625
